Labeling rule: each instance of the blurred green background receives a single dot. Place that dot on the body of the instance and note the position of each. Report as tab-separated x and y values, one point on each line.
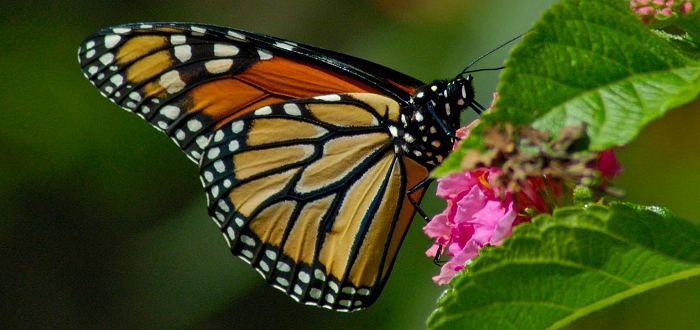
103	221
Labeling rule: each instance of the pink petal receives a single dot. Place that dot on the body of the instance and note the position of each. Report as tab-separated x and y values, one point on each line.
438	226
608	165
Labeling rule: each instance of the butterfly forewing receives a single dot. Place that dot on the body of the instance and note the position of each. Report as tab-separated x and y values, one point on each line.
296	147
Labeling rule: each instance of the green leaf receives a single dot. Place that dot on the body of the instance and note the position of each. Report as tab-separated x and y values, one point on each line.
564	266
594	62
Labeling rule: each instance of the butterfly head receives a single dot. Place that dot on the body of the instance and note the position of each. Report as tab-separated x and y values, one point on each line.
429	125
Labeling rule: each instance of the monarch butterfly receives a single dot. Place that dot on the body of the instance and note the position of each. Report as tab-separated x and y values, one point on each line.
313	161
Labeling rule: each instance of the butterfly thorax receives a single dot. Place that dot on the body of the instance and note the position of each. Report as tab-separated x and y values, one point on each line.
429	124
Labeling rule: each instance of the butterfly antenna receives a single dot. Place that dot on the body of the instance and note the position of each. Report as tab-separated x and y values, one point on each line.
465	71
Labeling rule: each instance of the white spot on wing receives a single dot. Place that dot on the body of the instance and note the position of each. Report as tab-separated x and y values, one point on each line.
178	39
170	112
318	274
196	30
264	54
329	97
213	153
238	221
283	267
304	277
223	50
135	96
112	40
247	240
218	66
194	125
107	58
333	286
231	233
171	82
247	254
220	167
292	109
183	52
233	146
315	293
266	110
208	176
201	141
180	135
223	206
218	136
117	80
237	127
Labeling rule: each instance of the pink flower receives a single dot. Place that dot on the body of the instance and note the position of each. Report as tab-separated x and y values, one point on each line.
660	13
608	165
475	216
480	214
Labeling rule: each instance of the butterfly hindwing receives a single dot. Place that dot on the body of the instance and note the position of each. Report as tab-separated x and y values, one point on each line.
326	217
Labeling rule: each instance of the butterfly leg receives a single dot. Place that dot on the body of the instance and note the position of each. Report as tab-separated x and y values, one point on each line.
424	183
420	185
443	126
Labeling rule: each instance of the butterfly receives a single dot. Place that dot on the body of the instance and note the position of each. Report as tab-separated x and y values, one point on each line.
313	162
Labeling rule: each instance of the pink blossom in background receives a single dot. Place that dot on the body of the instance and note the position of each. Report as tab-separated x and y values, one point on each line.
608	165
657	11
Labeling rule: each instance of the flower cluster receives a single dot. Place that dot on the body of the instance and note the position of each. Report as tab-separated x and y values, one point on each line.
488	199
475	216
660	12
